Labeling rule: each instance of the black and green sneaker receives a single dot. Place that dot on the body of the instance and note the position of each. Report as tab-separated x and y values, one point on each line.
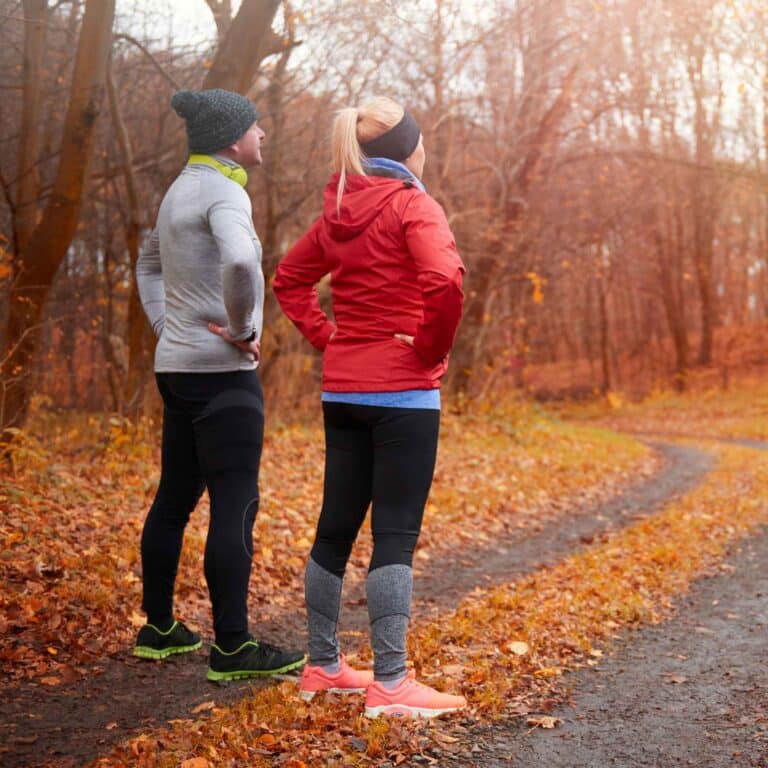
152	643
252	659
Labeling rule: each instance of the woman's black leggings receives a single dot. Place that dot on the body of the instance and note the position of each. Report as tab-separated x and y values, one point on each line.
379	455
213	428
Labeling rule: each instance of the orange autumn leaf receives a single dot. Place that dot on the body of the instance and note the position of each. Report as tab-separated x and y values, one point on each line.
548	672
518	647
195	762
546	721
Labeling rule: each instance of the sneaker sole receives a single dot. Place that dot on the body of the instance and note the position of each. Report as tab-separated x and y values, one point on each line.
401	710
309	695
243	674
146	652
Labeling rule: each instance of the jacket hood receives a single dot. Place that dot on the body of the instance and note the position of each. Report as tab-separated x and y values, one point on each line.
364	199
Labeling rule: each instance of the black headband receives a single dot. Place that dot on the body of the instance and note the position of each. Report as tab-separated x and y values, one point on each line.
397	143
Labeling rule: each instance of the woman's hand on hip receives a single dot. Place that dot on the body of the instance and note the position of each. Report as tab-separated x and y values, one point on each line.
244	346
405	337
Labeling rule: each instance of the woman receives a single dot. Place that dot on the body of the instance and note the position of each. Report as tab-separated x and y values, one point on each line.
201	275
396	286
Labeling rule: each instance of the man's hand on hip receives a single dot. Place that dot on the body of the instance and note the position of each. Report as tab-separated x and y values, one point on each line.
245	346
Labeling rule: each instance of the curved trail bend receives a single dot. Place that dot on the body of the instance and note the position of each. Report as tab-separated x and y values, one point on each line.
692	691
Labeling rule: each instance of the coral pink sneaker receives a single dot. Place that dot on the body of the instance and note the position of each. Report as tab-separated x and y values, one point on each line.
346	680
410	699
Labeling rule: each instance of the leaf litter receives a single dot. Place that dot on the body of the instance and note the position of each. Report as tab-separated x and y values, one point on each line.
566	615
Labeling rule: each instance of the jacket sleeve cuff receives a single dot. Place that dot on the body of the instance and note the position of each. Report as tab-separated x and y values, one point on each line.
241	335
428	355
325	335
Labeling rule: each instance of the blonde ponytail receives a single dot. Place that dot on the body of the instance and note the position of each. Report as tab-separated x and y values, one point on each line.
345	148
353	127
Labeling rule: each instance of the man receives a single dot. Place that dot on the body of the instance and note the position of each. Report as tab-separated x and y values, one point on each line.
202	288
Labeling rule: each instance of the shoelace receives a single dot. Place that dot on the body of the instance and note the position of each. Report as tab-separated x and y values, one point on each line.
410	680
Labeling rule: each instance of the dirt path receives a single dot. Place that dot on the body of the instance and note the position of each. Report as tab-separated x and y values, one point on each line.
72	724
692	691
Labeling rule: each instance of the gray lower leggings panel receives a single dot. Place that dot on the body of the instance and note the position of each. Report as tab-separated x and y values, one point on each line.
389	591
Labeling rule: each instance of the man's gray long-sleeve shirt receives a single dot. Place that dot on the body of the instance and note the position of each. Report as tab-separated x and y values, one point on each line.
202	264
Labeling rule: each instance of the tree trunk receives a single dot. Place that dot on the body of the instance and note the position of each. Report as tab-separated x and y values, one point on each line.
273	170
674	308
702	204
112	345
36	16
703	262
222	15
248	40
605	361
764	248
138	359
703	213
52	236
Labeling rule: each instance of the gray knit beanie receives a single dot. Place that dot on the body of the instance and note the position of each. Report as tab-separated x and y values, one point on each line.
215	118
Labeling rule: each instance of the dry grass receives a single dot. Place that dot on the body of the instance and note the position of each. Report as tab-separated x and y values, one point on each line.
739	412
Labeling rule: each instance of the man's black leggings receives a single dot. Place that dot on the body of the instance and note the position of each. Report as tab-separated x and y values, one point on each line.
379	455
213	428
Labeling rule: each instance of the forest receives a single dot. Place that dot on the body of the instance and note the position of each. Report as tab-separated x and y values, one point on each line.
603	166
590	579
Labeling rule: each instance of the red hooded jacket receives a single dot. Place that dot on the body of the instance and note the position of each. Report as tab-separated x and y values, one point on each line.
394	269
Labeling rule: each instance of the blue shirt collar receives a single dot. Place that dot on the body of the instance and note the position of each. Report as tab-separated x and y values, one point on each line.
400	170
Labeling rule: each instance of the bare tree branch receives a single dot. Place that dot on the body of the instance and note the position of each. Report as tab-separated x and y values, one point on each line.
155	63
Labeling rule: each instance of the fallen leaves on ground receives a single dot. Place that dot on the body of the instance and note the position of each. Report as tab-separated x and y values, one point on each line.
561	614
545	721
70	578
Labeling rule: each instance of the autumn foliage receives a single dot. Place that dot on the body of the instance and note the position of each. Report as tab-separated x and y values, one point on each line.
604	167
75	507
603	175
507	648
